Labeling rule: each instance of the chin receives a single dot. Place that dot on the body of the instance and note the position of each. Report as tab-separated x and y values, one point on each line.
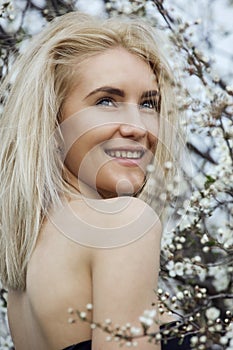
121	187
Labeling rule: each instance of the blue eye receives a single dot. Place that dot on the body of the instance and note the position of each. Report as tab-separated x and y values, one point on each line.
106	102
150	104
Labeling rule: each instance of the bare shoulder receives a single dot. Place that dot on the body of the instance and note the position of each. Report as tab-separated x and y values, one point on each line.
109	249
125	275
106	223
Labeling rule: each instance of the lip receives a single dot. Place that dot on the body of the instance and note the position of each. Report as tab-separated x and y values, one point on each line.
127	161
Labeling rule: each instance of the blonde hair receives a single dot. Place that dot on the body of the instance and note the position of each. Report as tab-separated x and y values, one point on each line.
30	166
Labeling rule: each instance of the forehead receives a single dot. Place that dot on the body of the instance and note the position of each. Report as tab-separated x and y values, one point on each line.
116	67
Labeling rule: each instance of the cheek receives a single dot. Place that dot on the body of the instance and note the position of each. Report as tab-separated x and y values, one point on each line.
73	159
86	154
77	152
152	125
153	141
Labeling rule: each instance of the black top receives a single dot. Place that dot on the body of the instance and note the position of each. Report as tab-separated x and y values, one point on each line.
85	345
172	344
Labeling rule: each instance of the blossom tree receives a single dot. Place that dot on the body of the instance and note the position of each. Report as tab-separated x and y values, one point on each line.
196	277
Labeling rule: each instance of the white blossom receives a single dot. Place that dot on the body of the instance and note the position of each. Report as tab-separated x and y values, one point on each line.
146	321
148	317
135	330
212	313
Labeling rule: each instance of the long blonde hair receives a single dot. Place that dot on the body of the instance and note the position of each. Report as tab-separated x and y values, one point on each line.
30	165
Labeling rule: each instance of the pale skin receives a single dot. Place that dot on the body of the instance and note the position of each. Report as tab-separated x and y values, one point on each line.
62	273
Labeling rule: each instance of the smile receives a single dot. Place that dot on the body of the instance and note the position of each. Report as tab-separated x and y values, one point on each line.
125	154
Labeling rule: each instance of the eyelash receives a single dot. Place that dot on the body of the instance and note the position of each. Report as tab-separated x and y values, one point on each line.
108	99
153	104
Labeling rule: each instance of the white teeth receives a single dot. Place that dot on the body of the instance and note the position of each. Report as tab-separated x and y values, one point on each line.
125	154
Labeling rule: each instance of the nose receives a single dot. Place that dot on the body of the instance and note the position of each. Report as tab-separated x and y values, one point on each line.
132	125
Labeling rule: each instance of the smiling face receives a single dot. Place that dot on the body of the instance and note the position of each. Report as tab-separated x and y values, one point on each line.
110	123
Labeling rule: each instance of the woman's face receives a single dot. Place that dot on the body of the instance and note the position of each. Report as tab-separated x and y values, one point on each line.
110	123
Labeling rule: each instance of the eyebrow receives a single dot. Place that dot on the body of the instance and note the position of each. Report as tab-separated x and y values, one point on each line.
115	91
109	90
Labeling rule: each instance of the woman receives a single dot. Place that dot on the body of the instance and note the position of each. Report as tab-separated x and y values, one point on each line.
86	114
